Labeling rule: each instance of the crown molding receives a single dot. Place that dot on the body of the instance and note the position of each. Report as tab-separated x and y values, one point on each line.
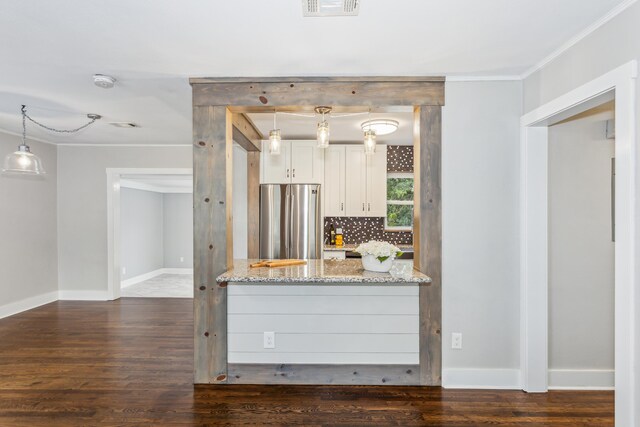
107	145
483	78
578	37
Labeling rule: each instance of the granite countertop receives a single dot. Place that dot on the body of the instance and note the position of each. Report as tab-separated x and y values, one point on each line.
347	247
316	271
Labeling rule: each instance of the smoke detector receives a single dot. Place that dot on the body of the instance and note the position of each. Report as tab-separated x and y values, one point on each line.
105	82
330	7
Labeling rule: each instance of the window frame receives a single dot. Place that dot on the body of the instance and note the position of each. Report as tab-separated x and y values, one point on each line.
399	202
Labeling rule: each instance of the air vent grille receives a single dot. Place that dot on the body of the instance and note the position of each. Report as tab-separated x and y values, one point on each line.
330	7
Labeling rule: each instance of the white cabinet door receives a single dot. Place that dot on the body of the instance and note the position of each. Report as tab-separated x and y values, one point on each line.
306	162
275	169
377	182
356	180
334	181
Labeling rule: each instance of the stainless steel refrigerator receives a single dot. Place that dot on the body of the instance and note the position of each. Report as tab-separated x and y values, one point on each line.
290	221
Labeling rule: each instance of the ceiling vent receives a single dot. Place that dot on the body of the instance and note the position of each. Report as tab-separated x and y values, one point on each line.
330	7
124	124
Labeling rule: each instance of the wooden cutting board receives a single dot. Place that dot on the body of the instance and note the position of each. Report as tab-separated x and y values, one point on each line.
278	263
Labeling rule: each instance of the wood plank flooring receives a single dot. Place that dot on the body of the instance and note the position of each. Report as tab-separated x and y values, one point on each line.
130	362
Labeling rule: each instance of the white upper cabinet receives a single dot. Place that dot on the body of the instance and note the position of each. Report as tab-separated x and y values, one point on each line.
299	162
356	181
334	181
377	182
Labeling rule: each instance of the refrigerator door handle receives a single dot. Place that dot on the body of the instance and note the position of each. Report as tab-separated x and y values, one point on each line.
286	229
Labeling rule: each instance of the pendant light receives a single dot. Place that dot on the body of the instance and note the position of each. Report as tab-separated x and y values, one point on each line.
323	127
23	161
369	139
275	141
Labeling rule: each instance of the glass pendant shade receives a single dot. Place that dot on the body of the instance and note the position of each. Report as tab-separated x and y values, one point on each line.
275	141
369	142
323	134
23	162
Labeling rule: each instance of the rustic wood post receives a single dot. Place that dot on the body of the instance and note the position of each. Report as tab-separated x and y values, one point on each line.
212	243
428	237
253	204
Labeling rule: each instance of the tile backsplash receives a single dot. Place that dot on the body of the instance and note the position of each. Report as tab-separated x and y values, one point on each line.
362	229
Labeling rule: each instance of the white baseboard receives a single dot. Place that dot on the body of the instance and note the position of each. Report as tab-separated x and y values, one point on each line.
581	379
27	304
177	270
141	278
71	295
154	273
482	378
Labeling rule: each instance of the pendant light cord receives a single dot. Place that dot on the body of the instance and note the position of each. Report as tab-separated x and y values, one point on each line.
25	115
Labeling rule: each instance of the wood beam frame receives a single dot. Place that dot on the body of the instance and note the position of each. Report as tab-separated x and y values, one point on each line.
215	103
245	133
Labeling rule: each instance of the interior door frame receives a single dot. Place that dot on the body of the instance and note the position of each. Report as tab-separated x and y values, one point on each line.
113	220
534	234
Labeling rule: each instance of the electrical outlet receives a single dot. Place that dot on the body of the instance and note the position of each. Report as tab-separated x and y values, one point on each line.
456	340
124	271
269	340
181	259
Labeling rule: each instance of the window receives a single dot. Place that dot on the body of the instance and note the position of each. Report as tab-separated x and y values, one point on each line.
399	201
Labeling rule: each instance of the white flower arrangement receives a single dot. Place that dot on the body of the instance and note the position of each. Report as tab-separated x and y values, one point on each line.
382	251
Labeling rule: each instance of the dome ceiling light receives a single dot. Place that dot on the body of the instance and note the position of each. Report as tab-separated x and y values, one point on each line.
380	126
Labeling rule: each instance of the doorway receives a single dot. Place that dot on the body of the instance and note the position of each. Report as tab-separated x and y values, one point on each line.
138	203
620	84
581	251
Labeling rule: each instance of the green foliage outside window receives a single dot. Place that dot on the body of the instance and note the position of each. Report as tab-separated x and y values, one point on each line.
399	211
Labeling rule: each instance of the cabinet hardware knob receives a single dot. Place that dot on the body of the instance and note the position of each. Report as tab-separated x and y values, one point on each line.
341	207
294	173
287	173
363	207
369	206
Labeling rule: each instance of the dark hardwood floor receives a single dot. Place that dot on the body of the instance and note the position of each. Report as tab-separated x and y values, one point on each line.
129	362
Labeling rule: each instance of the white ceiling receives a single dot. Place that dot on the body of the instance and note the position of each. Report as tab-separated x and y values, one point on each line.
50	50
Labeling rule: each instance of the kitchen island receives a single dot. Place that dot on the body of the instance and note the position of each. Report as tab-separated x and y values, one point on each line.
347	271
326	322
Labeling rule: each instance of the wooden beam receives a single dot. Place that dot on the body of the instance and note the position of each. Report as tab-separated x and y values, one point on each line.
253	204
245	133
428	237
213	245
242	373
371	92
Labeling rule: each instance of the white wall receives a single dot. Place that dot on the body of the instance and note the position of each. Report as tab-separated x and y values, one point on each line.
82	208
480	242
178	230
240	241
141	229
28	251
581	252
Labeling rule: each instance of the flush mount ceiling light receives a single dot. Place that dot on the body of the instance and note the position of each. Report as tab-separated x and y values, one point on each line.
330	7
104	81
380	126
275	140
23	161
323	127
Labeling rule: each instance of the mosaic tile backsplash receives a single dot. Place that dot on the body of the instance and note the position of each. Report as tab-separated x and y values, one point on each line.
400	158
362	229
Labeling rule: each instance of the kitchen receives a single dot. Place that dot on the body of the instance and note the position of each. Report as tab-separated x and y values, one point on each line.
313	314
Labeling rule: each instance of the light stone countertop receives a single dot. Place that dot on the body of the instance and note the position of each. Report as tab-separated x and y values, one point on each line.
315	271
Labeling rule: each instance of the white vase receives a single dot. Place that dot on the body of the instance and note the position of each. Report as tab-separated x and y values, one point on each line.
371	263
